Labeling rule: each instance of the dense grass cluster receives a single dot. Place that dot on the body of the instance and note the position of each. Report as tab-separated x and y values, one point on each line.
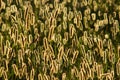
59	40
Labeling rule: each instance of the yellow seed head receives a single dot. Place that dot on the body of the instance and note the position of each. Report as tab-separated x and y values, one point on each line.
15	68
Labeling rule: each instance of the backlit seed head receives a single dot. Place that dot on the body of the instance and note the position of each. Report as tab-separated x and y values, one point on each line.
71	30
20	56
4	27
54	22
42	27
89	2
20	73
9	53
64	76
37	3
61	52
5	75
75	55
118	67
32	74
113	58
51	31
74	3
80	25
27	76
119	14
30	39
13	9
40	77
59	28
32	19
85	2
51	49
0	20
99	13
35	31
81	75
93	15
79	15
89	42
75	20
82	47
45	77
100	23
7	43
9	2
110	19
110	45
1	71
88	17
106	36
70	15
15	68
116	24
96	26
24	68
45	43
85	22
2	5
95	8
64	41
86	12
65	10
118	50
64	25
59	37
114	14
105	21
105	16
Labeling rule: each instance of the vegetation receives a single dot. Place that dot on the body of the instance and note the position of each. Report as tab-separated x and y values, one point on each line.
59	40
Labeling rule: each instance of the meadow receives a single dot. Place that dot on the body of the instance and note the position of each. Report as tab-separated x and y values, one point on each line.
59	40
